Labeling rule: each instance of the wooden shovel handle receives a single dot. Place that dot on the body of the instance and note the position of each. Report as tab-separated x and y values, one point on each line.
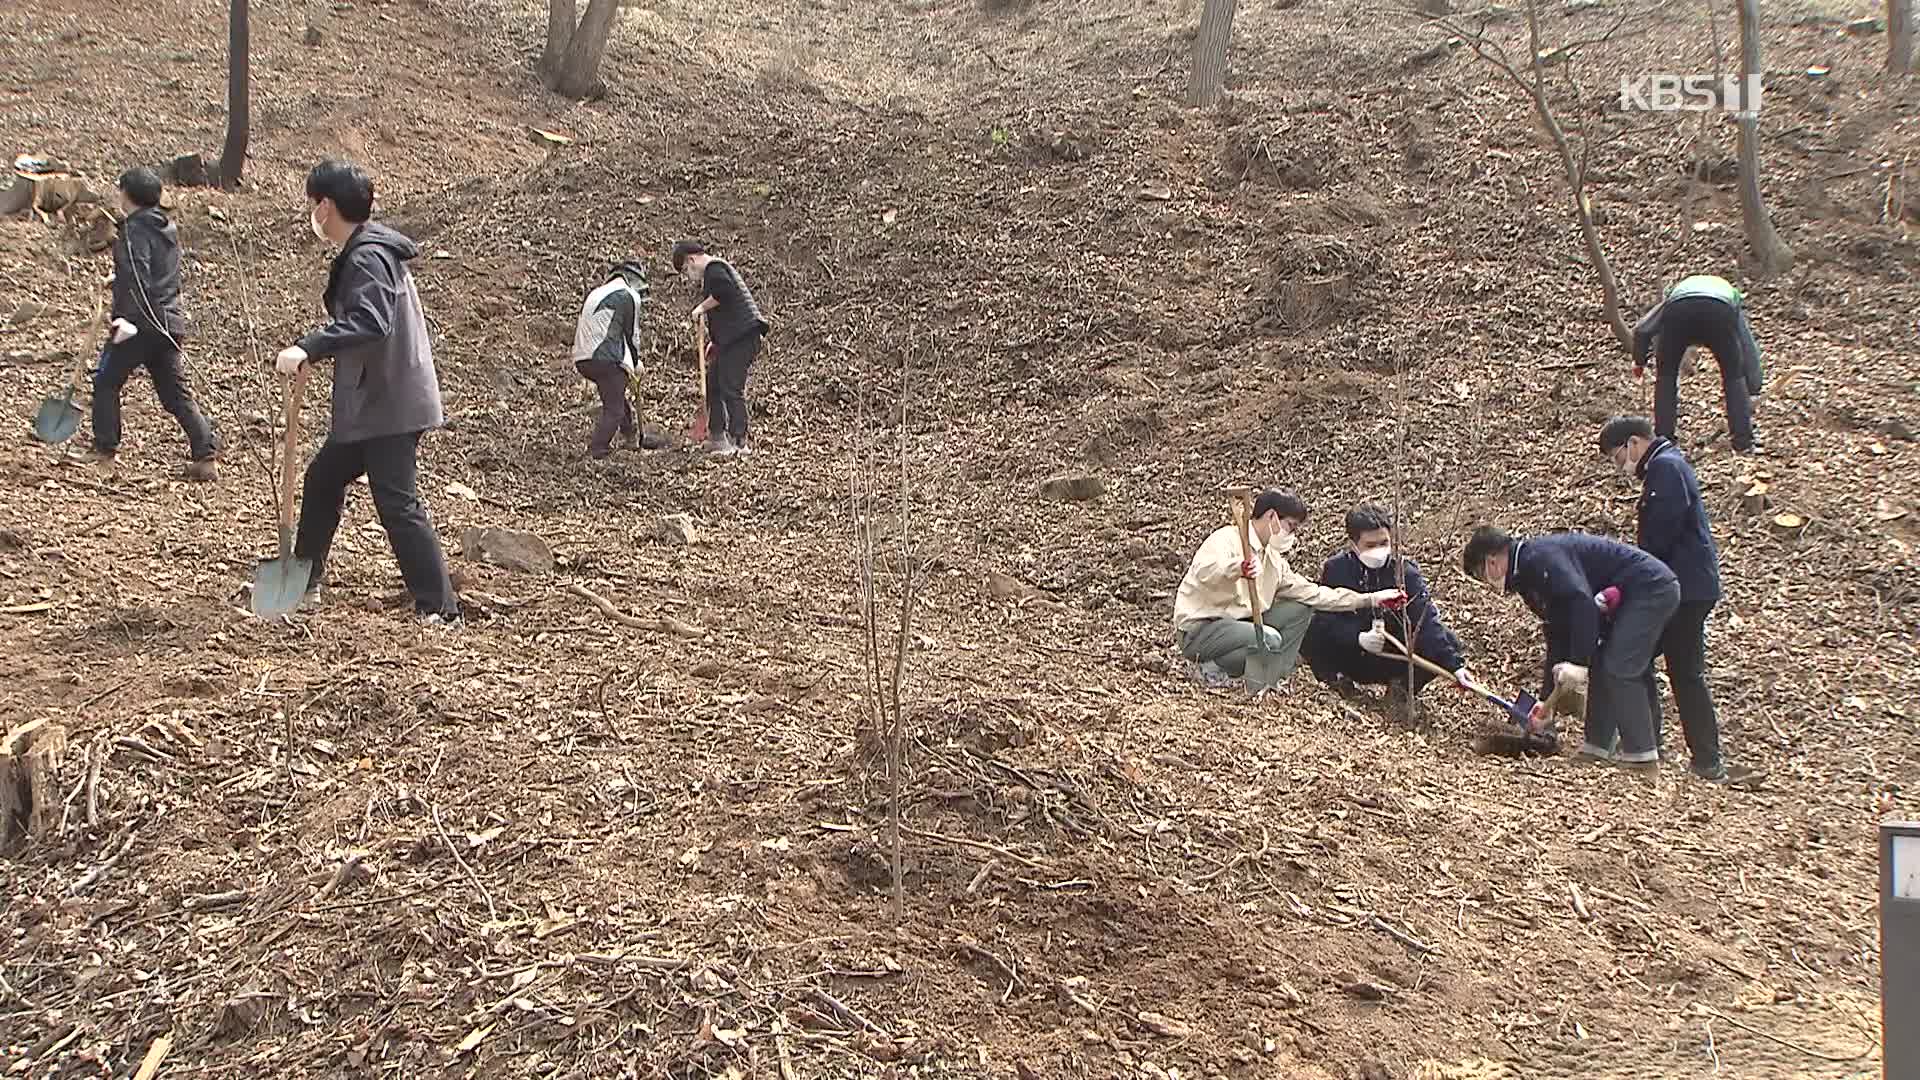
700	354
1422	661
296	388
93	340
1240	524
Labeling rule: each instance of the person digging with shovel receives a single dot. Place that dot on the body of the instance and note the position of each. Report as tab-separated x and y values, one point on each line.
1349	649
735	329
1212	620
147	327
606	352
1572	581
1673	527
385	393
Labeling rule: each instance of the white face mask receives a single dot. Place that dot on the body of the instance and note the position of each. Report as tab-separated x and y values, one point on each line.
1376	557
313	221
1281	542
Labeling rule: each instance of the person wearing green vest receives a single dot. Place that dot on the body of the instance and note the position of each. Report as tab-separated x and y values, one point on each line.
1701	310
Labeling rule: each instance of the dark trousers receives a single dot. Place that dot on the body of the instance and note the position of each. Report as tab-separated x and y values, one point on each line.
390	464
1332	651
1684	644
1702	320
1615	704
151	351
727	387
616	412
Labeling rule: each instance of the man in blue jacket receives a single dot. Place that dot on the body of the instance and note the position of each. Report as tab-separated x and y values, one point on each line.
1562	577
385	393
1673	528
1347	649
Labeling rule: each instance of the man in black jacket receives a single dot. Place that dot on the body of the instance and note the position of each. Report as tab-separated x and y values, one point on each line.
147	326
1563	578
735	328
1349	648
1673	528
385	392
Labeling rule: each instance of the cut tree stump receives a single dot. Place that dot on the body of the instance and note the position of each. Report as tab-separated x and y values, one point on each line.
29	788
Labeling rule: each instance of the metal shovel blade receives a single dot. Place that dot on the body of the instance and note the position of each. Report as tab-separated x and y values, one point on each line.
1265	669
280	584
57	419
1522	707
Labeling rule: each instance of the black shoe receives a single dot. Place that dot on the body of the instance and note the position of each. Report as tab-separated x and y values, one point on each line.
1737	777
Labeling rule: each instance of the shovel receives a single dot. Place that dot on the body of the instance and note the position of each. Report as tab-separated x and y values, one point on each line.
1520	709
1265	669
697	431
279	585
58	417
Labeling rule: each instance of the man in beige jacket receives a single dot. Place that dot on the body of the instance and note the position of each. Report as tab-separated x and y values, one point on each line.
1212	619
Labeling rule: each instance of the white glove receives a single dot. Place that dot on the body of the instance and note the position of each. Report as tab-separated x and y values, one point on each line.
122	330
290	359
1374	640
1570	675
1463	678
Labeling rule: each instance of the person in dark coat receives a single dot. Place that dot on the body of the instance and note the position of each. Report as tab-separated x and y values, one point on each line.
1701	310
385	393
1570	580
1347	649
735	328
1673	528
148	326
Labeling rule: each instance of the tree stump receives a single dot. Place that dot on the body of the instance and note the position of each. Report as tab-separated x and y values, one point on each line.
29	787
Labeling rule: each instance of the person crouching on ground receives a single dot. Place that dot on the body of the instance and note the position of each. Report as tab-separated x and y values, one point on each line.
1563	577
1211	615
1347	649
148	326
385	393
606	352
735	328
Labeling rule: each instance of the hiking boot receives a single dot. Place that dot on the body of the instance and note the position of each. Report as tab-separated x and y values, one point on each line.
204	471
721	448
310	598
441	621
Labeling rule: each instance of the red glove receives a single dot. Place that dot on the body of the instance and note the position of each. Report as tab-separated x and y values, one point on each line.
1395	604
1537	717
1608	599
1248	570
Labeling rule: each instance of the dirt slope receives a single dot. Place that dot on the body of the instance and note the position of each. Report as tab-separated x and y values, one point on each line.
550	845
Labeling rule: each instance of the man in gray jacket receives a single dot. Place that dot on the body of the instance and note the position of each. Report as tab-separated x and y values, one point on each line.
385	393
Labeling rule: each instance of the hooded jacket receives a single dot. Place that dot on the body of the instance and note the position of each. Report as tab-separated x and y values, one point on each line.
383	377
609	326
146	274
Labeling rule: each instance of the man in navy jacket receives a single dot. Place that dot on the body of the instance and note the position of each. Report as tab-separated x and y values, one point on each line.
1674	529
1563	577
1348	648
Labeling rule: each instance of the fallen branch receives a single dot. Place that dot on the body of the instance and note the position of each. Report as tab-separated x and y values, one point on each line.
1399	935
492	913
93	876
843	1011
974	844
665	624
1789	1045
156	1054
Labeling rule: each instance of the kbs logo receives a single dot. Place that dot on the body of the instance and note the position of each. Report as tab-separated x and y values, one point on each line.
1692	93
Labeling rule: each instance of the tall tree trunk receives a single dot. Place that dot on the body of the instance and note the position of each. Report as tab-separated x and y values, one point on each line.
1210	53
1899	36
1772	253
561	16
233	156
579	72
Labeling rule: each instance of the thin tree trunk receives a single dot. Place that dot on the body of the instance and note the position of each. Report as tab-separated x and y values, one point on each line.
1576	170
1772	253
1899	36
233	156
561	16
1210	53
579	75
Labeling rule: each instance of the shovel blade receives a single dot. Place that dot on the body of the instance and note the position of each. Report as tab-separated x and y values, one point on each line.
279	585
1522	707
1266	668
56	421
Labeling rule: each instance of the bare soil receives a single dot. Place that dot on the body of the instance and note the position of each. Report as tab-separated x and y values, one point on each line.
995	247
